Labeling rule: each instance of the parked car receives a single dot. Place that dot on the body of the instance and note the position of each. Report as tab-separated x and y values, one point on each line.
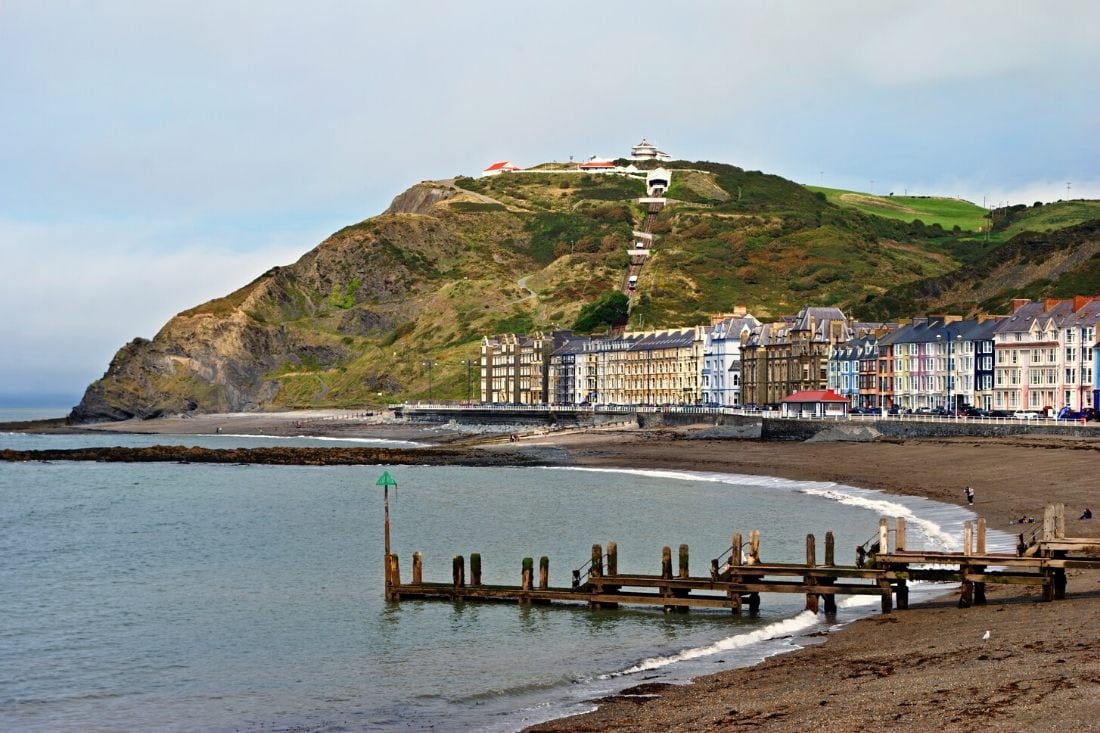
975	412
1026	415
999	413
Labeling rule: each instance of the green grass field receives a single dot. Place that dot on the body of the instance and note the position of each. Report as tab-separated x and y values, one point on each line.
1052	216
946	212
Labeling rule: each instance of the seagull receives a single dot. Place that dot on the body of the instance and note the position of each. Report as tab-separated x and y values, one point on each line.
985	636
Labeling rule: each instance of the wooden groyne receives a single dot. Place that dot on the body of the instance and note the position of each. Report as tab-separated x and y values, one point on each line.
884	568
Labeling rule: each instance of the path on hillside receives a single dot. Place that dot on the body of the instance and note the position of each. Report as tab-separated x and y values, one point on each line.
522	284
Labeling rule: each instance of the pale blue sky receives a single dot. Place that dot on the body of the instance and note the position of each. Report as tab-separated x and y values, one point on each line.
158	154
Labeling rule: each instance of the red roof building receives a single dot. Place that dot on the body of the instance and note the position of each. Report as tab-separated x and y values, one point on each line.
814	403
501	166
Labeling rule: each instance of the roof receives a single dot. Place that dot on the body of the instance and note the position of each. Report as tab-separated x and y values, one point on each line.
597	163
814	395
503	165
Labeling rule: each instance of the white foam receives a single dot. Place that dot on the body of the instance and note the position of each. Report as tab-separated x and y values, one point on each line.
890	509
850	496
786	627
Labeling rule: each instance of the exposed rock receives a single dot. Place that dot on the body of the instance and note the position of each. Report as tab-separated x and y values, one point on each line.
419	199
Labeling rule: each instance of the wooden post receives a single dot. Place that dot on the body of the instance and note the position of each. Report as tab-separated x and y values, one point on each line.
1049	531
666	563
966	590
544	572
968	537
684	562
395	571
597	562
899	534
1060	521
527	574
612	558
902	593
754	547
981	535
811	561
475	568
418	568
830	561
735	557
458	571
883	537
714	568
887	604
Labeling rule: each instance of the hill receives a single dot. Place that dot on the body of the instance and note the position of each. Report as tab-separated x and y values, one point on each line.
394	307
947	212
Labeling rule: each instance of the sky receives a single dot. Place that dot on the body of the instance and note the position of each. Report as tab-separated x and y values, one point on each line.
159	154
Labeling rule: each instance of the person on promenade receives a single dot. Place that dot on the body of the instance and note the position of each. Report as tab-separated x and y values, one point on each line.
970	496
1087	514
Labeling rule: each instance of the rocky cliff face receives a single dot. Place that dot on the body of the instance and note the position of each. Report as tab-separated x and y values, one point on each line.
235	353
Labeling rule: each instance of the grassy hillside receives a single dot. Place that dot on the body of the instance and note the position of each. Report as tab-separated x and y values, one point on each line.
1056	264
1011	221
357	320
946	212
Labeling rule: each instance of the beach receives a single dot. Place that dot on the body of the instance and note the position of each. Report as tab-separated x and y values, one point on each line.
926	668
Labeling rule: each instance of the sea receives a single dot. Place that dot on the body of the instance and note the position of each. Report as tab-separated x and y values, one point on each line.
201	597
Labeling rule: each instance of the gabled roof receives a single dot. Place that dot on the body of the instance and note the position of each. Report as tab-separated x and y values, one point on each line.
814	395
503	165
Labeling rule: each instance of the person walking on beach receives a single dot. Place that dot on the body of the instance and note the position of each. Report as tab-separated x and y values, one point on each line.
970	496
1087	514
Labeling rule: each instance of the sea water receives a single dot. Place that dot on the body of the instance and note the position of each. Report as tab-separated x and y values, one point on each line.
224	598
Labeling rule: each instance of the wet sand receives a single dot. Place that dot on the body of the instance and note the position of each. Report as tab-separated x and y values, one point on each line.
924	669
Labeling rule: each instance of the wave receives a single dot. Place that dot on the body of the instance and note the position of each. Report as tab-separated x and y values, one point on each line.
931	529
786	627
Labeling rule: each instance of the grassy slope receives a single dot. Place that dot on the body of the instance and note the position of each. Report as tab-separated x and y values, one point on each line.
736	237
946	212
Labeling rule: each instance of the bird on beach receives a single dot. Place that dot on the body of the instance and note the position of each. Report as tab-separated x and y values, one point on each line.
985	636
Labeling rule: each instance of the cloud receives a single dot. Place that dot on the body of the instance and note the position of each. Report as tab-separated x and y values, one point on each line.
74	294
168	152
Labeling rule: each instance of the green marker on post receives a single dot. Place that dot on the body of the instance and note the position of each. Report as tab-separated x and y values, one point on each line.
386	481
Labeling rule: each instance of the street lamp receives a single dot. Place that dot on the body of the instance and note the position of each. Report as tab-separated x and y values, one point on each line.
469	365
429	364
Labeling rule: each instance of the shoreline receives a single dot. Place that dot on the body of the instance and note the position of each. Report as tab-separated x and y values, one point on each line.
925	668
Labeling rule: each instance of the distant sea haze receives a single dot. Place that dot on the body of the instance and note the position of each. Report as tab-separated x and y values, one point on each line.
14	412
235	597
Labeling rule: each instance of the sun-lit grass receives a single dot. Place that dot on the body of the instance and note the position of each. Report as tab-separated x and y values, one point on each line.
947	212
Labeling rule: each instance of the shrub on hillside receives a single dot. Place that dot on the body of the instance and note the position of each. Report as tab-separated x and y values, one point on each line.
609	311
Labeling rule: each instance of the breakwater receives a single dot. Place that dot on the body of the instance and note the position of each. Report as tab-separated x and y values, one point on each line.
290	456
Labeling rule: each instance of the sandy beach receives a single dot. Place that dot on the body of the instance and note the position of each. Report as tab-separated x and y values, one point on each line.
927	668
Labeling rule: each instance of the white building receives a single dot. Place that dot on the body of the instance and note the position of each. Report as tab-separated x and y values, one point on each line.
721	377
645	150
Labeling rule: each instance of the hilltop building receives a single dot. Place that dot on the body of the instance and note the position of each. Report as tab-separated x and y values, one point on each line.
647	151
501	166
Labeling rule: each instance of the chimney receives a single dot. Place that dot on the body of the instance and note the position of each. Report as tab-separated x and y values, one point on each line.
1080	301
1018	303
